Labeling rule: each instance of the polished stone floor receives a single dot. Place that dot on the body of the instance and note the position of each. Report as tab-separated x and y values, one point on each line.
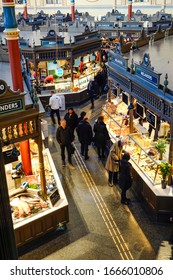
100	227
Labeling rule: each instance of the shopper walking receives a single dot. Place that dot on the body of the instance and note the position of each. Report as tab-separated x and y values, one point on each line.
91	91
112	163
55	104
82	115
65	138
72	119
125	177
101	136
100	79
85	136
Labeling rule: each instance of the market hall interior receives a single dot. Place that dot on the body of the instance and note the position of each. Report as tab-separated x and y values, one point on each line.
99	227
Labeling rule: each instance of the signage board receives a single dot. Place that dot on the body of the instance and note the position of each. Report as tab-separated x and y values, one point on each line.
54	197
118	59
151	118
59	72
147	76
9	157
3	87
140	110
11	106
125	98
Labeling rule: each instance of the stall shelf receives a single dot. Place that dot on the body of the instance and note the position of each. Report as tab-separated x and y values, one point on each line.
146	176
29	228
20	123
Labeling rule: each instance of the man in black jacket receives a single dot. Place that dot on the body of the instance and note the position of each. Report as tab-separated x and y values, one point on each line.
85	135
65	137
72	119
91	91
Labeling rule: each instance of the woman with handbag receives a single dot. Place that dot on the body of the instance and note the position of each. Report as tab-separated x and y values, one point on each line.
112	163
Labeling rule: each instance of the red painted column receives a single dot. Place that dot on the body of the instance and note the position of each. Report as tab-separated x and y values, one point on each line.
25	13
129	9
15	65
12	35
73	10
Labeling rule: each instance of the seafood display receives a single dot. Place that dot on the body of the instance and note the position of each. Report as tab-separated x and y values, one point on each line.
24	204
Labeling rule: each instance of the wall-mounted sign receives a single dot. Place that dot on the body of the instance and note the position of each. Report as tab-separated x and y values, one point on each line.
151	118
117	59
140	110
147	75
3	87
11	106
51	33
105	25
59	72
80	38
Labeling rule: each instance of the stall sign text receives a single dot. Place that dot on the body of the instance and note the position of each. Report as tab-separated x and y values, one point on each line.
147	76
10	107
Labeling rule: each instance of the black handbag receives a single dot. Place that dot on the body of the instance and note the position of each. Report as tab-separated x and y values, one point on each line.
72	149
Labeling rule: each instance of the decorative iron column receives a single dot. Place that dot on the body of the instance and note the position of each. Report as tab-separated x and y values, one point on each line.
25	13
129	9
12	35
73	10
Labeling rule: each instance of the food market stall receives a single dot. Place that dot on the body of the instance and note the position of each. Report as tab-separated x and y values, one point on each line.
152	103
37	201
63	61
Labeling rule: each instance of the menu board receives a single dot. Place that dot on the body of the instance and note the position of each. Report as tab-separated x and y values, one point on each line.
140	110
54	197
125	98
151	118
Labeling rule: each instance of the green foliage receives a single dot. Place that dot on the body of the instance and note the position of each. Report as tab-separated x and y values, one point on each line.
165	169
55	76
160	145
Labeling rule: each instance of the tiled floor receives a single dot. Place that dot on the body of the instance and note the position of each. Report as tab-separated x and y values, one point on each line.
100	227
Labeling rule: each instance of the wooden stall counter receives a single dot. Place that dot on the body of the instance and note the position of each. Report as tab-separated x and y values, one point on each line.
56	214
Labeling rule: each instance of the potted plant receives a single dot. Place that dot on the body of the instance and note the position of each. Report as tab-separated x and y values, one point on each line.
165	169
160	145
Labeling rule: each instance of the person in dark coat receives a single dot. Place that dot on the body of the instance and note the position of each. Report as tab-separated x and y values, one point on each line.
125	177
72	119
91	91
100	79
82	115
65	137
101	136
85	136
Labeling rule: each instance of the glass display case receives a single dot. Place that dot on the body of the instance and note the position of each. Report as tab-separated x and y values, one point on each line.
82	82
145	156
115	118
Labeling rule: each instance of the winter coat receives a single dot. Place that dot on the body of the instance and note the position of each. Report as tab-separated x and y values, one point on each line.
84	131
101	134
125	174
91	89
115	153
72	120
64	136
